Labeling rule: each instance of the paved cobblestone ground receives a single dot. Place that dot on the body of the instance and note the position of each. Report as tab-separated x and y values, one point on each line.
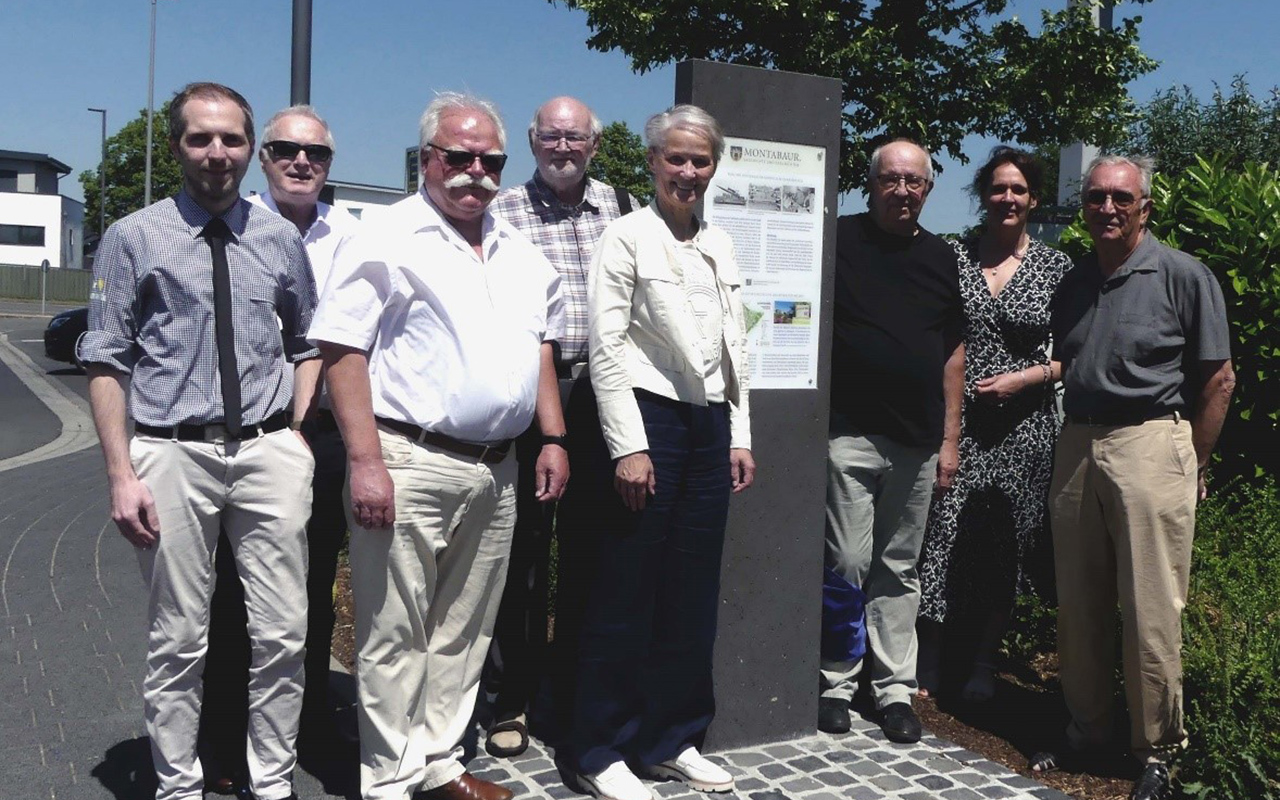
72	639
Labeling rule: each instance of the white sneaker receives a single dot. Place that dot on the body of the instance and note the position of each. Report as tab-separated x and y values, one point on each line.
694	769
615	782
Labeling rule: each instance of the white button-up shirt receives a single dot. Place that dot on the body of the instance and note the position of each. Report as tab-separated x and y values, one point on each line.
331	226
453	340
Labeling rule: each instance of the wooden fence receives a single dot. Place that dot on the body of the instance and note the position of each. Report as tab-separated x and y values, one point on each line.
63	285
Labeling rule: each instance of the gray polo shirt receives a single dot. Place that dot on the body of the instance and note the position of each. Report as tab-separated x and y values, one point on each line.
1130	344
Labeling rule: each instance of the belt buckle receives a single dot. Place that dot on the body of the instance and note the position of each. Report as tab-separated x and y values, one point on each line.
214	432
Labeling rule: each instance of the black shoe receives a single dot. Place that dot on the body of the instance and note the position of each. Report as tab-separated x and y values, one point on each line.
833	715
1154	783
900	723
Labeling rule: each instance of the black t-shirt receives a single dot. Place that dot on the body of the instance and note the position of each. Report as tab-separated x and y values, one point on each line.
897	314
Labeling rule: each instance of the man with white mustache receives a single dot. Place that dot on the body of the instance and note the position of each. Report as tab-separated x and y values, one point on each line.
437	327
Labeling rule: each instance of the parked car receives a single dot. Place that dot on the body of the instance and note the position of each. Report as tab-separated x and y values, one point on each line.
62	337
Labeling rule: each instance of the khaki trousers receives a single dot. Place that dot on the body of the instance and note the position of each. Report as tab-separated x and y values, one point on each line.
427	593
1122	507
878	494
259	492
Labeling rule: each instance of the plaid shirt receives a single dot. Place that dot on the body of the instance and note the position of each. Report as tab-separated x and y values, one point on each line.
567	236
151	310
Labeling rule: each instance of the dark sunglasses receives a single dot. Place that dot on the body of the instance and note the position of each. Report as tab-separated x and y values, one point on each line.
1121	200
287	150
462	159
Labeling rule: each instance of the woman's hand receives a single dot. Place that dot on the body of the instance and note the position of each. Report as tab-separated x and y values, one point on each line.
742	468
999	388
634	480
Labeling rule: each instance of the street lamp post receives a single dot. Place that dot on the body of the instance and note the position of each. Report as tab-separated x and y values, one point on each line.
151	90
102	177
300	79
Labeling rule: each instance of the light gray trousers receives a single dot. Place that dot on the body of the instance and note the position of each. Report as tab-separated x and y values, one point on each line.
878	495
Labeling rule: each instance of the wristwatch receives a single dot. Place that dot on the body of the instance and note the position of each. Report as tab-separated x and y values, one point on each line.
562	440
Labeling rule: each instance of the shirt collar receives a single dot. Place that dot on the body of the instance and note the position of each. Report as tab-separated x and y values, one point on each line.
1142	259
432	219
318	226
197	217
542	193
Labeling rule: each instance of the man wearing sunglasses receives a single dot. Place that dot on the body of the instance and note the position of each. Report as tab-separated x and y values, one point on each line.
564	212
437	328
1141	333
897	373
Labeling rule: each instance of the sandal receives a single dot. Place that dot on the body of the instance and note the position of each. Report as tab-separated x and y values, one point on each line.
1043	762
512	725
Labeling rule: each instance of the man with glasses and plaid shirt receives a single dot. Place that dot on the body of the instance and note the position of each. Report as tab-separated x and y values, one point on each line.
1141	339
897	375
437	327
564	212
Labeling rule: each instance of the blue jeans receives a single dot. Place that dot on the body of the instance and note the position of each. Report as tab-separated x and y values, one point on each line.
651	583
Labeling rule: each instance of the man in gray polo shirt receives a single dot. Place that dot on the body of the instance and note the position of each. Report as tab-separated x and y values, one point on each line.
1141	331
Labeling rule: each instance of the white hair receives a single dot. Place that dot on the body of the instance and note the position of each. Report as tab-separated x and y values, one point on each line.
873	167
686	117
269	133
1145	165
596	127
429	125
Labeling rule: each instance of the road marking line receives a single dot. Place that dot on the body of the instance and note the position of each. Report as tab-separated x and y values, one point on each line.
31	341
70	408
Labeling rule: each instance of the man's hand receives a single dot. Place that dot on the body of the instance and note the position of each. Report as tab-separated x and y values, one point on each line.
999	388
948	463
134	512
634	479
1202	489
742	469
552	472
372	494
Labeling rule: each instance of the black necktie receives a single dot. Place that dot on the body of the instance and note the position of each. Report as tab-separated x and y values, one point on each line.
215	233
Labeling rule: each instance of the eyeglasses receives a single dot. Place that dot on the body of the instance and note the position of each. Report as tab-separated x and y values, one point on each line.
281	148
462	159
1123	201
913	182
574	141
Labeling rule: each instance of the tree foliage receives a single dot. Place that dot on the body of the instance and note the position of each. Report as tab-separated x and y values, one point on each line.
620	161
126	169
934	70
1175	127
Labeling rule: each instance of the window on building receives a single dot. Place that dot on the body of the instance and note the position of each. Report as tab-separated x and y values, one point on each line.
24	235
8	180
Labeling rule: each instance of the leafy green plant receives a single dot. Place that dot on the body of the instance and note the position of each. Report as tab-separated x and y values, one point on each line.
1231	649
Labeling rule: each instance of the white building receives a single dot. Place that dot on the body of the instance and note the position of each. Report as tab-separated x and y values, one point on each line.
36	222
362	200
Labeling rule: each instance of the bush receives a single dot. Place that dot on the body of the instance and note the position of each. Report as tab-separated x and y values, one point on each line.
1229	218
1231	649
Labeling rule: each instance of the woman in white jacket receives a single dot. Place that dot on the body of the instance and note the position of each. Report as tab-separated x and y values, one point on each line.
668	374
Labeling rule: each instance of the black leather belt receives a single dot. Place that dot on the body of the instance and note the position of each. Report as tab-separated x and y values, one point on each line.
1114	422
570	370
214	431
489	454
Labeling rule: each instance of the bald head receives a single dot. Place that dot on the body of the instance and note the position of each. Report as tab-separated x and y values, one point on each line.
564	135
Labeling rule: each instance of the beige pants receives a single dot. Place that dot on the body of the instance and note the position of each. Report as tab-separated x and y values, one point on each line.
259	492
1122	506
427	593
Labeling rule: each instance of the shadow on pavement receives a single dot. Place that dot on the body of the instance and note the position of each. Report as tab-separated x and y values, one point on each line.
126	770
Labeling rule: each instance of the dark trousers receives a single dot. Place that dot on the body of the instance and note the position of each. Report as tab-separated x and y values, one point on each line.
224	718
518	653
643	586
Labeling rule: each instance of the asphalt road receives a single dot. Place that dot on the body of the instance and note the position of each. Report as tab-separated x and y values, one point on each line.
25	422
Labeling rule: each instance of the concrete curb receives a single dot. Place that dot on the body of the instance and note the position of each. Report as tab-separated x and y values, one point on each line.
70	408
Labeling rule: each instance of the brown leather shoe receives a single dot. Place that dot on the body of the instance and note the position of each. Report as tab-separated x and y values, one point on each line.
465	787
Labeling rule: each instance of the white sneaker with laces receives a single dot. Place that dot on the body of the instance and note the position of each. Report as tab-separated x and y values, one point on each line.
695	770
615	782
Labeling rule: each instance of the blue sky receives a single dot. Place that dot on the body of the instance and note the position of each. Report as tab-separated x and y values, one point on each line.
375	65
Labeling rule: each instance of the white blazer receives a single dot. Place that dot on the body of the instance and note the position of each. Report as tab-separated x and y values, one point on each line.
643	329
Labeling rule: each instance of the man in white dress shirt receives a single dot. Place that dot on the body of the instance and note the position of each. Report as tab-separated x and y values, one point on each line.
436	328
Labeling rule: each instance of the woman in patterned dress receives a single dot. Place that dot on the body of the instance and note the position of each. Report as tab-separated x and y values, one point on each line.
987	538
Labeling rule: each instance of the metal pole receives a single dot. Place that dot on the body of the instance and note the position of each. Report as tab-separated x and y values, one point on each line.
151	90
300	83
102	178
44	279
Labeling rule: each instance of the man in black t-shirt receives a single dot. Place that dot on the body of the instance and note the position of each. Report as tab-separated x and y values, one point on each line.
897	373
